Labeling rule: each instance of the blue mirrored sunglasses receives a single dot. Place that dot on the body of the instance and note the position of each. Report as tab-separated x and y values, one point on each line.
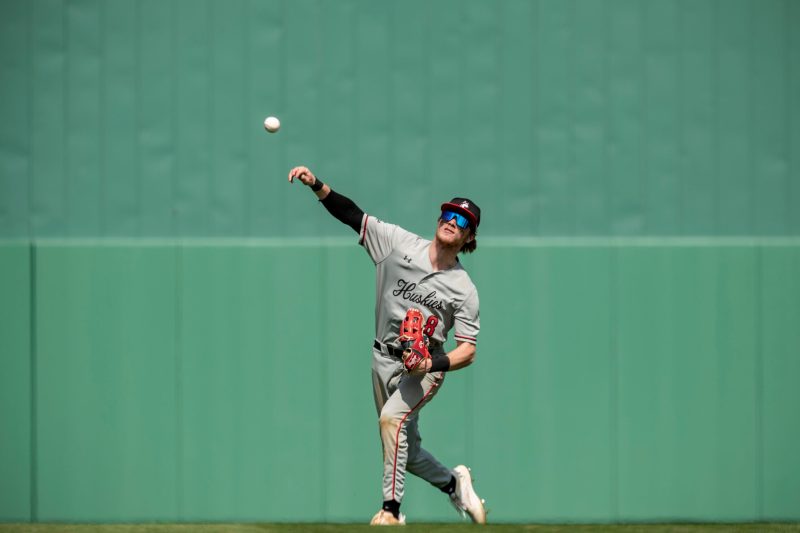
461	221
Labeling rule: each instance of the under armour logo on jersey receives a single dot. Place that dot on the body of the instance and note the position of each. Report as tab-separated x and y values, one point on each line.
407	259
465	205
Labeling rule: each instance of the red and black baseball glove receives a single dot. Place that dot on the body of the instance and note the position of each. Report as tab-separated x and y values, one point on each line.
413	341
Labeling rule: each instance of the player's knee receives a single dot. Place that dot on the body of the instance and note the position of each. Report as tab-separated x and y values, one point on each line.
388	421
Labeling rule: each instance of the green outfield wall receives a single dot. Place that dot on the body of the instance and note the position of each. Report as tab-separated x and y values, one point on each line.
186	337
580	117
615	380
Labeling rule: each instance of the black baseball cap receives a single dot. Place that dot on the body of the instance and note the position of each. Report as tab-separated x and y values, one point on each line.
466	207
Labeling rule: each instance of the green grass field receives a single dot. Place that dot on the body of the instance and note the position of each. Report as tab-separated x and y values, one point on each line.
412	528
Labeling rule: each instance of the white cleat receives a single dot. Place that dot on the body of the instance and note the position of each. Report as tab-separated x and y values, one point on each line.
385	518
464	499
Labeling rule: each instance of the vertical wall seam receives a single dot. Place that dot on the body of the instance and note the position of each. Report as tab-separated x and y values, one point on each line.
614	375
572	127
33	504
213	205
101	127
683	168
31	98
178	339
138	210
717	51
177	235
34	382
283	104
535	93
247	189
718	361
324	458
391	127
787	20
607	203
65	118
644	167
174	153
750	47
319	63
501	96
759	380
426	100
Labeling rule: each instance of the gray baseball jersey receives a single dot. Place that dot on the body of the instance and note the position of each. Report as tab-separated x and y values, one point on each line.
405	278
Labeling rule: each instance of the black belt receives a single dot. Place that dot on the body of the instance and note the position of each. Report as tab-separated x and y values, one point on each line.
397	352
391	350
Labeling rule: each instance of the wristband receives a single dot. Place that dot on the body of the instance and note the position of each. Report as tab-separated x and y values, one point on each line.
317	185
440	364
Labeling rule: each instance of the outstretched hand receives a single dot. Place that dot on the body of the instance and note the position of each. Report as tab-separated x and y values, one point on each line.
303	174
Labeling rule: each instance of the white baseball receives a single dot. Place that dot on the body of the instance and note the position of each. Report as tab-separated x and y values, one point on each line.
272	124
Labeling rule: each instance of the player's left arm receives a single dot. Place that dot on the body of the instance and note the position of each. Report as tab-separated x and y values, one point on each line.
462	356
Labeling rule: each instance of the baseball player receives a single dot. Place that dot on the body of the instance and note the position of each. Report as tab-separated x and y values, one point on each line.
422	293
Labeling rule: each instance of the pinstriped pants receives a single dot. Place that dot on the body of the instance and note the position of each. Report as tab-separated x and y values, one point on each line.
398	400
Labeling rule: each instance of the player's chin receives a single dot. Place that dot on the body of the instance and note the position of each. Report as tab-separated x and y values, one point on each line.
445	237
450	240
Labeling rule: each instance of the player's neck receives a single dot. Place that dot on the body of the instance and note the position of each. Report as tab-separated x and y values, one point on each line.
442	257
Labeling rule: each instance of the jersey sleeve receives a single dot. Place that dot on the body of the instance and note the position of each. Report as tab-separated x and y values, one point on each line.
468	320
379	238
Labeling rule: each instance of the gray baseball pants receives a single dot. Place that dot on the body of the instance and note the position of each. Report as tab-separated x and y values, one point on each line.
398	400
